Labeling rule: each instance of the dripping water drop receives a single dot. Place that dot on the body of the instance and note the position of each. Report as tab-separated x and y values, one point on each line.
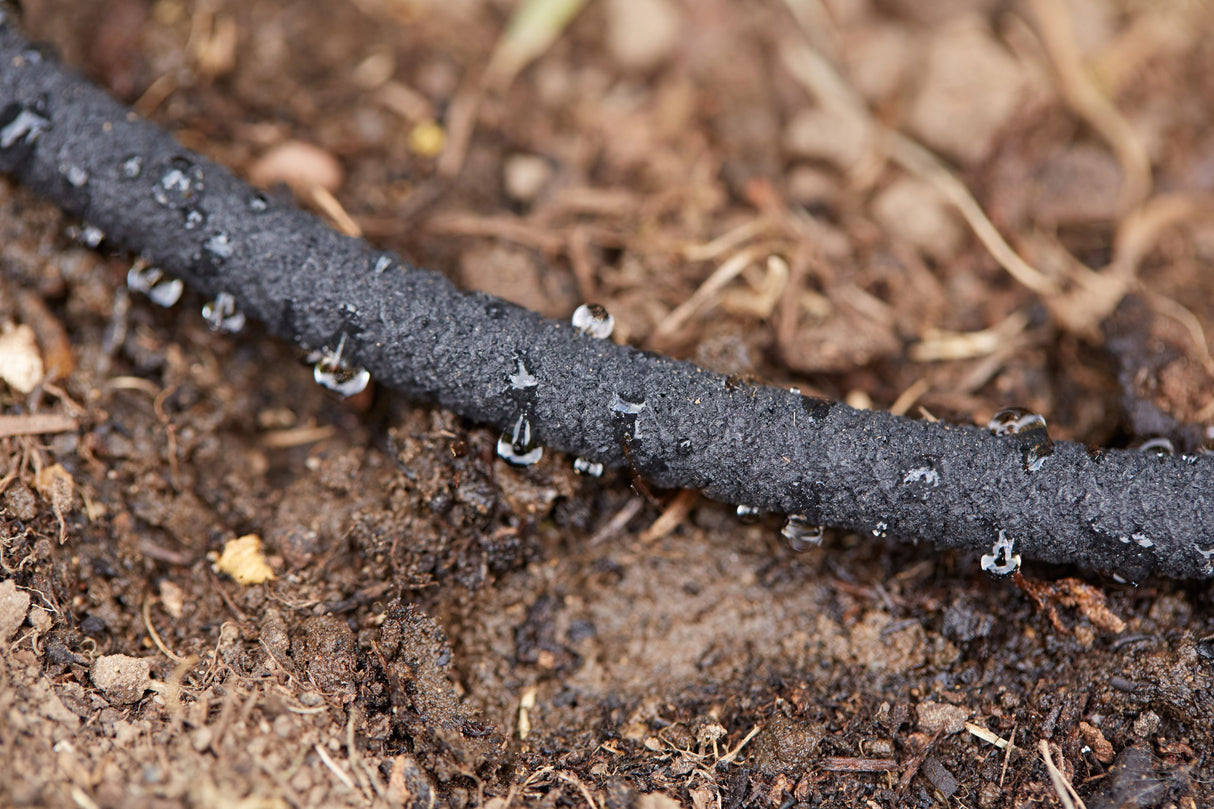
222	314
1159	446
583	466
593	320
516	447
91	236
159	288
801	534
748	515
1001	561
1029	428
21	125
332	371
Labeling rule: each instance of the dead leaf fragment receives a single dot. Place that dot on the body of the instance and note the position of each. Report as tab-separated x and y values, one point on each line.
302	166
20	362
55	484
243	560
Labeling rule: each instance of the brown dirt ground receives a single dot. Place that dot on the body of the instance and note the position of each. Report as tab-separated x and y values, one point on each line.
444	629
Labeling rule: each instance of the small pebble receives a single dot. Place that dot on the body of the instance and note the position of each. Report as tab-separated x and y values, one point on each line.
524	176
122	678
971	88
913	212
14	604
20	361
642	33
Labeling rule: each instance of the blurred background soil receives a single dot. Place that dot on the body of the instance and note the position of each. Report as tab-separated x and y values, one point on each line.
938	208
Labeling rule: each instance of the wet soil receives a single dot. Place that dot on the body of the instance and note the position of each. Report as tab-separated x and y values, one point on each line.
440	628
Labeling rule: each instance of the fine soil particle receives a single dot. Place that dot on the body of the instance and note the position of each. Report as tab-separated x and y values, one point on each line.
431	626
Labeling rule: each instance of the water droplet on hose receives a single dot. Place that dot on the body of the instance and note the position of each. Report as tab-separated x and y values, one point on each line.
194	218
1142	540
21	125
180	184
76	176
921	480
91	236
258	203
331	370
516	447
1001	561
1029	429
881	530
593	320
222	314
1158	446
748	515
382	264
801	533
132	167
586	467
217	250
1014	421
522	379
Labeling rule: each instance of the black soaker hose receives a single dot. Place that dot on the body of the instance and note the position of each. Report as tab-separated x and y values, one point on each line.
1126	512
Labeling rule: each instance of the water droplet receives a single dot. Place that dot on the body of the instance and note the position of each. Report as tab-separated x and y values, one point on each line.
1159	445
1207	554
76	176
91	236
795	390
331	370
1001	561
515	447
21	125
522	379
382	264
222	314
217	249
1014	421
582	466
132	167
801	533
194	218
1029	428
167	292
624	407
881	530
926	475
152	282
258	203
1142	540
625	411
593	320
749	515
180	185
685	446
